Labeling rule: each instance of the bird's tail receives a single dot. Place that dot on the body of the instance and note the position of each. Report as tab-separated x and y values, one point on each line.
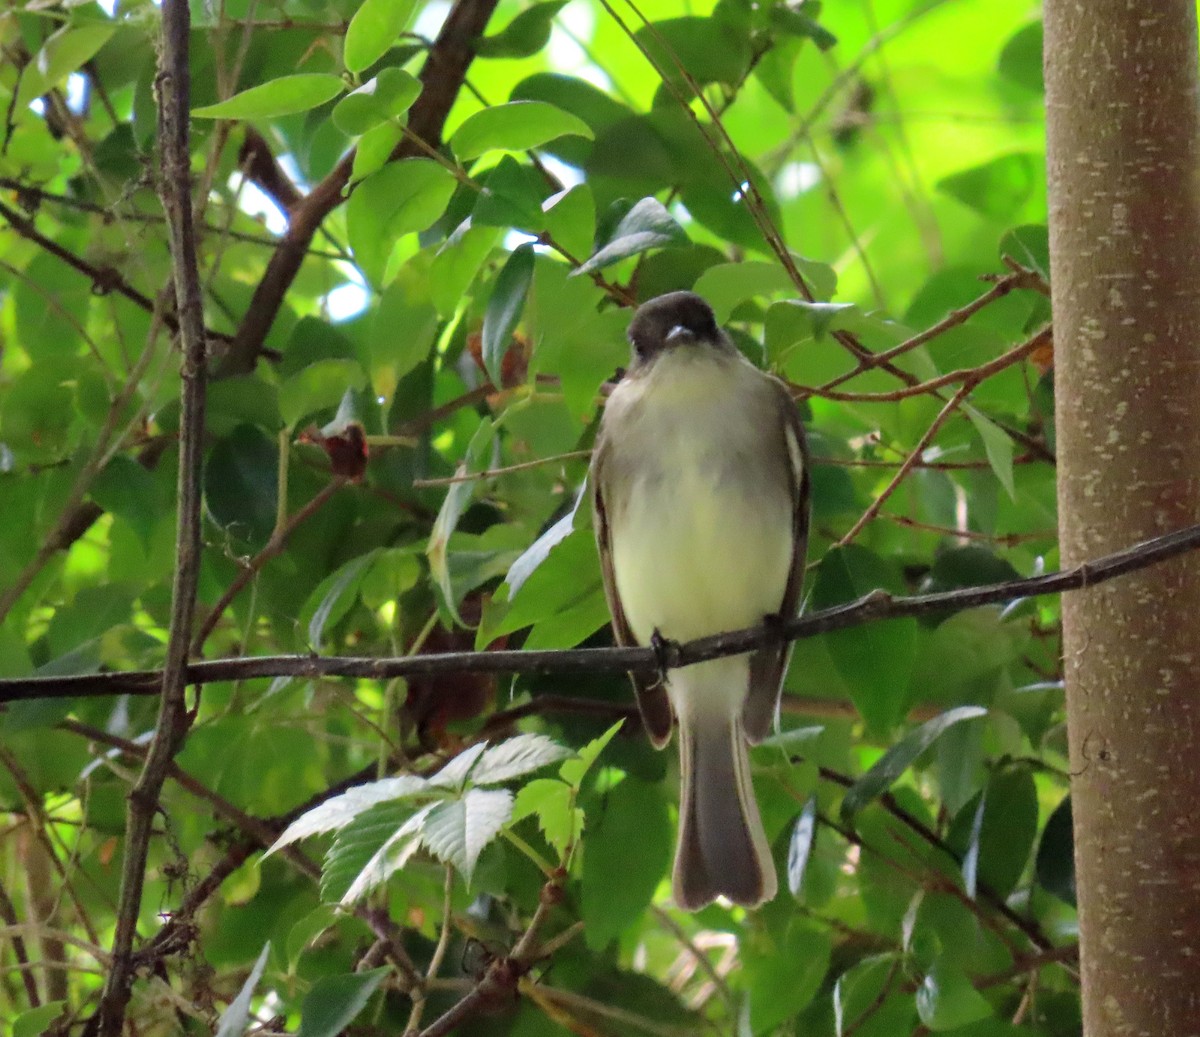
722	848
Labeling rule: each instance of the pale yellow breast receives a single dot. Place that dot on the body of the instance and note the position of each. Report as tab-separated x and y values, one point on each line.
702	535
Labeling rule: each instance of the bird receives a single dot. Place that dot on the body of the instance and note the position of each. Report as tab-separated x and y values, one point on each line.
699	485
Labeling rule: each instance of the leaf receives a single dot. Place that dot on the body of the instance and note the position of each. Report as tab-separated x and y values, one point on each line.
372	848
618	884
403	332
401	198
516	126
573	771
335	595
504	309
789	740
515	757
306	931
727	285
1030	246
647	225
317	387
456	265
284	96
457	499
796	23
36	1022
372	31
524	36
537	552
335	1001
385	96
1055	867
901	756
457	831
374	150
338	812
711	50
997	445
800	846
785	977
64	52
453	775
946	999
1020	59
553	802
127	490
241	484
998	188
237	1015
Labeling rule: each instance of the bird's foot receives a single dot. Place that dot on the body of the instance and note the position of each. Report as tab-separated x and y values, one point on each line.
666	653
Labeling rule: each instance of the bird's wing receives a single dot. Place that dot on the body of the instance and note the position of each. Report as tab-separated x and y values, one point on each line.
768	664
650	690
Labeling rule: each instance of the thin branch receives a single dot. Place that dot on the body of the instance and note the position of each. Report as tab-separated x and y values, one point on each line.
872	607
943	415
174	184
274	547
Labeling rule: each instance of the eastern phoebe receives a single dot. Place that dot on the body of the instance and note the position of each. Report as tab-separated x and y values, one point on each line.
700	501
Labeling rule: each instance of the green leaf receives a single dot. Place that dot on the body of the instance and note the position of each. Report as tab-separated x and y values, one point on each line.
1030	246
64	52
237	1015
618	884
457	500
385	96
785	976
511	198
1021	58
1056	854
284	96
457	831
36	1021
996	831
335	1001
573	771
710	50
647	225
403	333
319	386
796	23
305	932
504	309
901	756
457	264
129	491
241	484
334	596
553	803
516	126
516	757
525	35
399	199
998	188
373	30
998	446
374	150
800	846
727	285
946	999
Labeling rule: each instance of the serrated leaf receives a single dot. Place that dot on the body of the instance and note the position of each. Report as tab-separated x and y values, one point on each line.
514	757
454	775
373	30
516	126
800	846
339	811
335	1001
647	225
372	848
998	447
457	831
237	1015
901	756
552	802
284	96
573	771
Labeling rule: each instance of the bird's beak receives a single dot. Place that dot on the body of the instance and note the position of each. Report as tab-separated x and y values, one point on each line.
678	334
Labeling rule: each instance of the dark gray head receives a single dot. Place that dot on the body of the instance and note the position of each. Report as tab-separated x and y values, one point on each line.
678	319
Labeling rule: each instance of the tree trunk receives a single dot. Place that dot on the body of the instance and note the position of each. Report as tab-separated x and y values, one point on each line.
1123	156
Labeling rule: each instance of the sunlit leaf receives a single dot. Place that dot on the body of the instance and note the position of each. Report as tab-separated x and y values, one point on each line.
284	96
373	30
516	126
647	225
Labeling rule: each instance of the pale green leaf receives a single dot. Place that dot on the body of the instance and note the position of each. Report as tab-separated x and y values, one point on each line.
516	126
373	30
457	831
647	225
284	96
